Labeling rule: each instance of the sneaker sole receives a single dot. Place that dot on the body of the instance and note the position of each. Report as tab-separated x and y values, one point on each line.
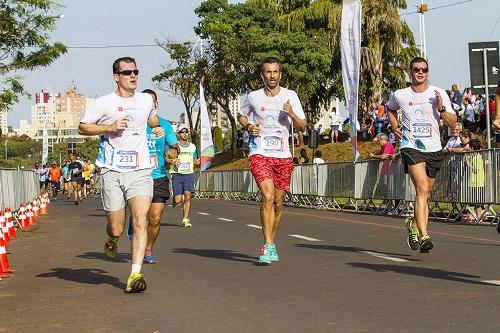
138	286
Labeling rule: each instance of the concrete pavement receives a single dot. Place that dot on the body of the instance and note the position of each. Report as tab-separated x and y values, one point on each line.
338	273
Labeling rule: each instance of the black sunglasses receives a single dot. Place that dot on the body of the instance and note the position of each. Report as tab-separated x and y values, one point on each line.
128	72
418	69
183	132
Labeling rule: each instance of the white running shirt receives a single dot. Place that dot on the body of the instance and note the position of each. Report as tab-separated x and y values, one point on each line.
126	150
420	117
267	111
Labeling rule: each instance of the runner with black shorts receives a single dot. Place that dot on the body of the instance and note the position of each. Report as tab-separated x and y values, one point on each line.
76	169
161	187
422	108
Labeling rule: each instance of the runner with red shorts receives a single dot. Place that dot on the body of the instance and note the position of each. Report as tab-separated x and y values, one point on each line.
267	115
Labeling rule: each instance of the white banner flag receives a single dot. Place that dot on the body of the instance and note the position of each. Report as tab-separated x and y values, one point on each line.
207	145
45	146
350	36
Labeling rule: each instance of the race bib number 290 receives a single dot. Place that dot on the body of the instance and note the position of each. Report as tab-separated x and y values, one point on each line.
127	159
272	143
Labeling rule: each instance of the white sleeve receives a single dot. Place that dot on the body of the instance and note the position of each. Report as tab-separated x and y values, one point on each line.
93	114
392	104
296	106
246	108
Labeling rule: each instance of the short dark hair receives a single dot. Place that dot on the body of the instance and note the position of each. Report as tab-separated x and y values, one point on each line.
418	59
151	92
116	64
475	144
271	60
318	154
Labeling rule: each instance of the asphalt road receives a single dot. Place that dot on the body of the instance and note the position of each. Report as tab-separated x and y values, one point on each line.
338	273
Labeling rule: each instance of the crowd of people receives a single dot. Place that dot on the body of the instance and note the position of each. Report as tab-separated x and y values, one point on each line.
75	177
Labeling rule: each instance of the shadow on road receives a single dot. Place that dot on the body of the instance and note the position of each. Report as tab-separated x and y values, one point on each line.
120	257
89	276
217	254
422	271
352	249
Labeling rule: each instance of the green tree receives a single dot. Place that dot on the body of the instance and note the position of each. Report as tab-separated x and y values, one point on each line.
24	43
239	37
387	41
181	78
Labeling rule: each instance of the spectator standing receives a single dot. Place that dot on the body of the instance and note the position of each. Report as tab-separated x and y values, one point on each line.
456	95
469	115
335	125
465	137
454	141
303	158
475	176
496	123
386	148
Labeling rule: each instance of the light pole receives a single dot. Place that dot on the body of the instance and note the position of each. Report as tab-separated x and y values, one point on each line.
6	140
422	8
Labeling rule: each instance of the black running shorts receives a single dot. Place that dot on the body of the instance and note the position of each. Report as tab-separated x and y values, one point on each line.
432	160
161	190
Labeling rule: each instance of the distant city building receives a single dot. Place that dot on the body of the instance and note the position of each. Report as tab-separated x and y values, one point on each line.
60	114
3	122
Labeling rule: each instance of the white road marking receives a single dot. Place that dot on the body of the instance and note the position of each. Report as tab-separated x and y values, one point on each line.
306	238
224	219
254	226
494	282
201	213
383	256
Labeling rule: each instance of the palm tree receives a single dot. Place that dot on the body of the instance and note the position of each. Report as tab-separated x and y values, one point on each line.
387	42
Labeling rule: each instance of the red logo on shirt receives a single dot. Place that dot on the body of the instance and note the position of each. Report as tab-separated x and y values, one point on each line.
262	108
120	108
410	103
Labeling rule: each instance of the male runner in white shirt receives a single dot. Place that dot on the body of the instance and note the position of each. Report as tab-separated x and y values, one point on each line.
120	119
267	114
422	107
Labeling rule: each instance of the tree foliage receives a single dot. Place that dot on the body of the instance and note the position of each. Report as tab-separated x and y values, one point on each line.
181	77
24	43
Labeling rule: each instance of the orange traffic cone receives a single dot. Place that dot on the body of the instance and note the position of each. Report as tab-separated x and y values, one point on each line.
4	262
5	230
10	224
43	208
35	208
30	216
22	218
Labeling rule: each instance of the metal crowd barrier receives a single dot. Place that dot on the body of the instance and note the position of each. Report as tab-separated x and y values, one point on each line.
466	180
17	186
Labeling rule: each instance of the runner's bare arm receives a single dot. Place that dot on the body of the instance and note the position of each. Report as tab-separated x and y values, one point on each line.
154	123
97	129
449	118
393	119
300	124
253	129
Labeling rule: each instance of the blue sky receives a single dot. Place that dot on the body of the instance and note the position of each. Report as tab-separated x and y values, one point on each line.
128	22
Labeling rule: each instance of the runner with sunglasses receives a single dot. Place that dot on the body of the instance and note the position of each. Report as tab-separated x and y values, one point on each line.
182	171
120	119
422	108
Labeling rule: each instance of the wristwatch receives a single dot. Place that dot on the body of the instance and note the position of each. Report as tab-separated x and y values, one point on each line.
247	126
442	110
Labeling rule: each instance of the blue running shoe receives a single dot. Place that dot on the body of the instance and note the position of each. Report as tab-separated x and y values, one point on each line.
273	253
265	254
150	259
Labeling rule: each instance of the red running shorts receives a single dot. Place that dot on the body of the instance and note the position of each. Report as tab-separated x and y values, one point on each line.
279	170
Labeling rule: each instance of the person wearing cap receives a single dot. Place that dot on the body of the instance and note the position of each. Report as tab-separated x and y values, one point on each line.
182	171
386	148
55	178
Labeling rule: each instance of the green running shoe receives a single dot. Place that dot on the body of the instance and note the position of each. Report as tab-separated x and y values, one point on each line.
111	247
135	283
412	239
273	253
265	254
186	223
426	244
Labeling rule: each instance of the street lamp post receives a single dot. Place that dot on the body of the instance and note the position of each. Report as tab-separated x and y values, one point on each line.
422	8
